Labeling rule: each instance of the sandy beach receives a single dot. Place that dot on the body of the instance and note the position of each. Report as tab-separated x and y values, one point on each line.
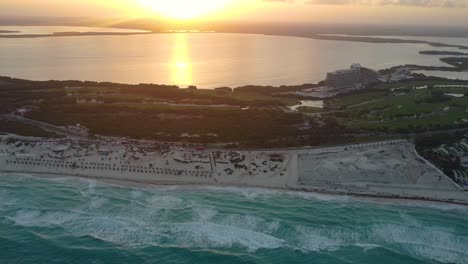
390	169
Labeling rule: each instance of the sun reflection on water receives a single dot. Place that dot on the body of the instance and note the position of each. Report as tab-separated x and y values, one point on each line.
181	64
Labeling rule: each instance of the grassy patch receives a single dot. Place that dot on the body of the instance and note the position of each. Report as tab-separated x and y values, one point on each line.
18	128
406	108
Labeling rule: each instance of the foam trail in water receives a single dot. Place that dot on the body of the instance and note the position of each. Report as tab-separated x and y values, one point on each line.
212	235
442	246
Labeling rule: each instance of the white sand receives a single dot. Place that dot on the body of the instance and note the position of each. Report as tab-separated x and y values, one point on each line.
144	162
382	168
385	168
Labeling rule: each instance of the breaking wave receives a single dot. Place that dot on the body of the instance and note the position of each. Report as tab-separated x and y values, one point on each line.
254	225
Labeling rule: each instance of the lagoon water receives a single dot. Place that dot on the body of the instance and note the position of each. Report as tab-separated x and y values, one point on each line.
67	220
207	60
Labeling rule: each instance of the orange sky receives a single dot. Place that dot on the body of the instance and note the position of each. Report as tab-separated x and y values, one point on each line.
451	12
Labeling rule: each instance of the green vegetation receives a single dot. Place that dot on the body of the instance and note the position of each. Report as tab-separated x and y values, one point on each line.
16	92
23	129
156	112
461	63
446	151
309	110
343	103
169	123
247	97
250	115
403	107
442	52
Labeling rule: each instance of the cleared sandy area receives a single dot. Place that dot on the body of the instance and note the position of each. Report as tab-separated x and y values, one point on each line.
392	168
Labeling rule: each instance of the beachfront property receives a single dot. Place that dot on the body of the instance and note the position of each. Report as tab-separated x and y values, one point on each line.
398	74
389	168
461	176
356	77
143	162
453	158
342	81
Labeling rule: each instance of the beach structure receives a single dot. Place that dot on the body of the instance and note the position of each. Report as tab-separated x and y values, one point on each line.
61	147
144	162
390	168
343	79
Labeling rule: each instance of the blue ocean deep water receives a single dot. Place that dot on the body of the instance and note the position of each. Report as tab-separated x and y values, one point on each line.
66	220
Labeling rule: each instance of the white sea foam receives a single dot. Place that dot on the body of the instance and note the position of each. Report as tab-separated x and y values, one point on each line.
438	245
309	240
164	201
97	202
124	231
244	221
113	230
203	214
63	179
134	194
90	188
211	235
253	193
5	199
273	226
248	192
318	239
367	247
30	218
140	223
169	188
320	196
440	206
196	235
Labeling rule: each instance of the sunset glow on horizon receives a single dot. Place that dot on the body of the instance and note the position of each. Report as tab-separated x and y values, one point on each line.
448	12
184	9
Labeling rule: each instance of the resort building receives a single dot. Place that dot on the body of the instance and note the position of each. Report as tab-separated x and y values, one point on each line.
343	79
355	77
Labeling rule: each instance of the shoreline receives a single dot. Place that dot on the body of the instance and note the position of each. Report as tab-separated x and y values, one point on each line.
71	34
385	169
126	183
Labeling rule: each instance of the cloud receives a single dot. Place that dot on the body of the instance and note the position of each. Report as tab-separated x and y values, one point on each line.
422	3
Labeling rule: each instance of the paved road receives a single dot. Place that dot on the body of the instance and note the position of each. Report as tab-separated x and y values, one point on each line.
76	135
45	126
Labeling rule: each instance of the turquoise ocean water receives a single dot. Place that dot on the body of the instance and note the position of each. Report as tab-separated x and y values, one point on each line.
67	220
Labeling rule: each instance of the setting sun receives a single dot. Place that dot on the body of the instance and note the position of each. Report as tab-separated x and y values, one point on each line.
184	9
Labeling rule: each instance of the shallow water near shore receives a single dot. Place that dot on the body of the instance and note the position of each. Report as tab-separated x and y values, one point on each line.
69	220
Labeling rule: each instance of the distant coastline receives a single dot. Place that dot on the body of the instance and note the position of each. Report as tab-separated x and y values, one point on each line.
386	40
74	34
442	52
366	39
9	31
